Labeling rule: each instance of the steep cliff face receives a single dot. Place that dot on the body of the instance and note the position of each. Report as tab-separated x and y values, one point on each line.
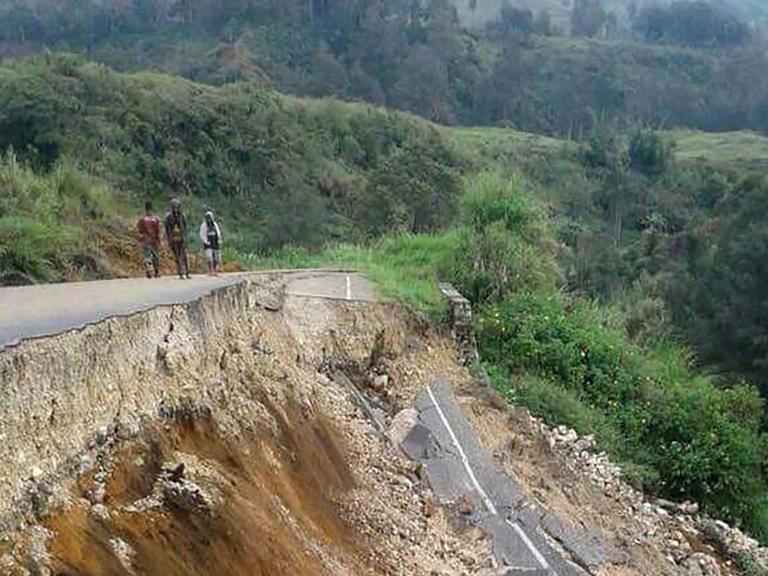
61	394
254	433
207	438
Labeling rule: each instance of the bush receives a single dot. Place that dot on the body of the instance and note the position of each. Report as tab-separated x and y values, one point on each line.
649	153
505	244
699	442
33	250
46	220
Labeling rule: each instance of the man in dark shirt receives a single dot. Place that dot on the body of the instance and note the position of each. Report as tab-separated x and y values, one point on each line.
149	237
176	233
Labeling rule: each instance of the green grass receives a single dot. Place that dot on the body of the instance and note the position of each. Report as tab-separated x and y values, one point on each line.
47	220
494	147
404	267
487	146
743	149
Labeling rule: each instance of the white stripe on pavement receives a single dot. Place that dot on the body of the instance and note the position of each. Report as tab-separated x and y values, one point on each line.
349	287
530	545
483	494
464	459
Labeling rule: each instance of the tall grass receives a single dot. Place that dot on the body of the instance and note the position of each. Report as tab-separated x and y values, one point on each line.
45	220
404	267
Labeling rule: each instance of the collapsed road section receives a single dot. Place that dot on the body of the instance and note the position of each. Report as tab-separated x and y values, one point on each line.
460	469
265	427
205	438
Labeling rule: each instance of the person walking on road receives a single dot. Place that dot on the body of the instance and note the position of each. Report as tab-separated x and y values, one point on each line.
149	237
210	235
176	233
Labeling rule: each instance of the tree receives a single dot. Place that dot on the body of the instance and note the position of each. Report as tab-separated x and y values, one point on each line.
423	85
513	20
21	24
649	153
606	156
543	24
729	312
587	18
691	23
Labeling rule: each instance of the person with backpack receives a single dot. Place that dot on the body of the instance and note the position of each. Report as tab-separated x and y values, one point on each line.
149	237
210	235
176	234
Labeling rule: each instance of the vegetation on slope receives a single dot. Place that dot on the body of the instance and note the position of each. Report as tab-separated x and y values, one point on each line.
50	224
520	70
574	253
280	170
677	432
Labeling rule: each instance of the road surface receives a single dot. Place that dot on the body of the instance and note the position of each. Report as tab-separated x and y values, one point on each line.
459	468
48	309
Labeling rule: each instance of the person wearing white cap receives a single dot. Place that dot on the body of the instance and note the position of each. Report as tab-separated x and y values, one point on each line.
210	235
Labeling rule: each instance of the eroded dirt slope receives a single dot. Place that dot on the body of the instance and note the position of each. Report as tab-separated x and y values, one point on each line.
262	461
274	470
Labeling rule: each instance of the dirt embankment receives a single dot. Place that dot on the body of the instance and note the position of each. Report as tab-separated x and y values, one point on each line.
222	438
209	439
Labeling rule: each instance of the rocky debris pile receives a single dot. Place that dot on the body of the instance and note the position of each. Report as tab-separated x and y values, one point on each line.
732	541
408	531
676	526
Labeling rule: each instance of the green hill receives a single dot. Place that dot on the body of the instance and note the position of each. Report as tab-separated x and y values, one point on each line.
354	170
574	253
486	10
419	57
278	169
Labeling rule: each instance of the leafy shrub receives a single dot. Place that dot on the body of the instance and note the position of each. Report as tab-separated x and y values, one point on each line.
46	220
699	441
649	153
505	244
34	250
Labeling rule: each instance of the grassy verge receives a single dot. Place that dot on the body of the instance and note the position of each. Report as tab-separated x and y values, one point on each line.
49	224
404	267
673	429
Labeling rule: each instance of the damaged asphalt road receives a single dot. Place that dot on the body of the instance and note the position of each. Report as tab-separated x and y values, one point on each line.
524	537
48	309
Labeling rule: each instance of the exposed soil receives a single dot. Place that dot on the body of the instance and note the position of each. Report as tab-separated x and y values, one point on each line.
280	474
280	471
233	525
120	257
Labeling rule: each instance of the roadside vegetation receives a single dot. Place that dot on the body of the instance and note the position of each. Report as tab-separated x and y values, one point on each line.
677	431
615	277
49	223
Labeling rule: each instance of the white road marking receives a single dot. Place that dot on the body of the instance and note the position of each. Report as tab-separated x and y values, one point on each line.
530	545
349	287
464	459
481	491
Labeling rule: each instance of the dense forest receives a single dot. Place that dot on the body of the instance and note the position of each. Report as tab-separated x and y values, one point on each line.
688	63
619	277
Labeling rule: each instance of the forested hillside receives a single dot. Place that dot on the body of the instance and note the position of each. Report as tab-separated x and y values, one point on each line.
479	12
690	64
618	263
